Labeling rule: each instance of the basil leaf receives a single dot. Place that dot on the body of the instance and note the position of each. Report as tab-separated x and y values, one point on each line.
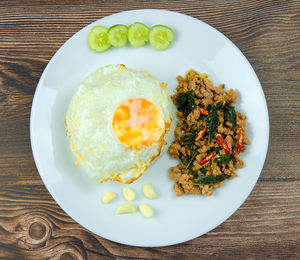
214	149
190	164
219	105
229	114
212	122
216	106
202	117
188	137
188	160
203	170
223	158
186	102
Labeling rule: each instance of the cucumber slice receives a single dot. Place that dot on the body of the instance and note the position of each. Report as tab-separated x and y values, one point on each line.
138	34
161	37
98	39
117	35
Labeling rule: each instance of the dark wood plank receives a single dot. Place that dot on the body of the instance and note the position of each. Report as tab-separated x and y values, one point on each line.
32	225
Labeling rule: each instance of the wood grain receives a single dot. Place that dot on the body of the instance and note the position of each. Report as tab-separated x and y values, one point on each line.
267	226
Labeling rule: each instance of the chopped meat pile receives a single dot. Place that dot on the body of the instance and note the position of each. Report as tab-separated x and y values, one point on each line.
210	135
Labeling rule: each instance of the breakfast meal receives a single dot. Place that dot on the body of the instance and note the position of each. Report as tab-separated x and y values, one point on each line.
123	148
210	135
138	34
118	122
120	119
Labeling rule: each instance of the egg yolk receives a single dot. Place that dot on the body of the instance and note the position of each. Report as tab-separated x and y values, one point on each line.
137	123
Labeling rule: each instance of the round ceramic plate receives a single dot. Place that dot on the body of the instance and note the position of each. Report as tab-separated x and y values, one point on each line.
177	219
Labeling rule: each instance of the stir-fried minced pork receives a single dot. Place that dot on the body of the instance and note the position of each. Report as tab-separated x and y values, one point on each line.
210	135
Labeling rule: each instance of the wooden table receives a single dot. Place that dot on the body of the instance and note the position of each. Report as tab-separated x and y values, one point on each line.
33	226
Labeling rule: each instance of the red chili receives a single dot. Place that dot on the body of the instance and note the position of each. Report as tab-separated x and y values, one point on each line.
208	157
200	135
203	111
222	143
240	142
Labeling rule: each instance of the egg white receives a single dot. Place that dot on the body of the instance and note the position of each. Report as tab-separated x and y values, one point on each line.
89	123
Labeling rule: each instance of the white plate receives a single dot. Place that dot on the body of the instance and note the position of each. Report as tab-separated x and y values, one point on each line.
177	219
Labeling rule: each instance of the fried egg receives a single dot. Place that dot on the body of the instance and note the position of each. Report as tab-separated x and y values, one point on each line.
118	122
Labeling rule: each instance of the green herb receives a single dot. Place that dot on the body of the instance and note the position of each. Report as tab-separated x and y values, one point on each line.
223	158
209	107
229	114
212	179
189	166
219	105
185	160
188	137
212	122
198	128
189	140
204	170
186	102
188	160
202	117
214	149
216	106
